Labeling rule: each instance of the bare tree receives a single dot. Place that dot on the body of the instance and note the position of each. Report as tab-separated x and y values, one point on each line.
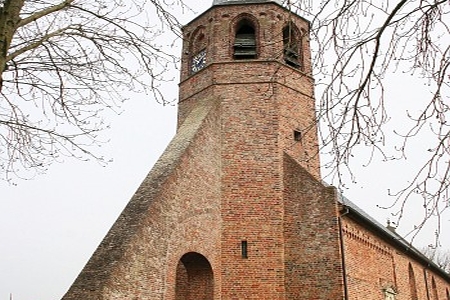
62	63
439	256
358	46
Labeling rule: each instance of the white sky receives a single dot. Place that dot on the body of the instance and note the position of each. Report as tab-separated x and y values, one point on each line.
50	226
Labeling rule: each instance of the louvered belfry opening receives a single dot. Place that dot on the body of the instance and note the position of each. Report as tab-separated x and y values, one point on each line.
245	41
291	43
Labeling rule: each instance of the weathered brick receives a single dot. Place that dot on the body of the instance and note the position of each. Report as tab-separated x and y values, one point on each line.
236	175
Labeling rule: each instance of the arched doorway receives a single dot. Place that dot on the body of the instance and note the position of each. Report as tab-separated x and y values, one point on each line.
194	278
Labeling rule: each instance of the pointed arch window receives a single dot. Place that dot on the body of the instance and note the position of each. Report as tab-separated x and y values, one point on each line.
292	46
412	283
434	289
245	43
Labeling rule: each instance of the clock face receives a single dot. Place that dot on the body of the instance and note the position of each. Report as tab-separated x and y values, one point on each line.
198	61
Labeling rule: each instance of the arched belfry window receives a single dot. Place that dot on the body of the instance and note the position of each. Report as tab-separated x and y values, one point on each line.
292	46
245	40
198	50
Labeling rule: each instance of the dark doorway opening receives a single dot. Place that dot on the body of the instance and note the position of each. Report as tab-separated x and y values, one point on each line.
194	278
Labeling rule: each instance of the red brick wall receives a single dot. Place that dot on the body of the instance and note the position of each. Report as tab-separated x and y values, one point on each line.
293	94
312	253
262	102
373	264
369	263
234	173
252	203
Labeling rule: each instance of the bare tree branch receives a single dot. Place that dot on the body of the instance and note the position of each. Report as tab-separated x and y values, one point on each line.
358	46
63	64
439	256
44	12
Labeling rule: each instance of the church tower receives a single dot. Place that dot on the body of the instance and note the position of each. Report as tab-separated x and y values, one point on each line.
254	55
234	208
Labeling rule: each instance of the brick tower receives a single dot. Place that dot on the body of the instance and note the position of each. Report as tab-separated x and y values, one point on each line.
234	208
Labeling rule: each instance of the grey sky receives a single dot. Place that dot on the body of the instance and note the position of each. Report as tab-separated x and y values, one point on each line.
49	226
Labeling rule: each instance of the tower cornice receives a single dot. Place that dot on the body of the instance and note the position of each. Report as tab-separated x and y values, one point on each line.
219	3
287	76
231	2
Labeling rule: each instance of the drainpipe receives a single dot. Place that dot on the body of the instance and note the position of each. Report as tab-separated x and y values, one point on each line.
341	241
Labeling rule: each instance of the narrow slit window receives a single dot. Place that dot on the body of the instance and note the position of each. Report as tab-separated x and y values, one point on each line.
244	249
297	135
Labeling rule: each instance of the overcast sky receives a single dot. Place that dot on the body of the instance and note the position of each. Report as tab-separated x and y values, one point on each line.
50	226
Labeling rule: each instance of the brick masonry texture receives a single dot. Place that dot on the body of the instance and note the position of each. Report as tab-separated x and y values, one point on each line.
374	264
235	175
138	257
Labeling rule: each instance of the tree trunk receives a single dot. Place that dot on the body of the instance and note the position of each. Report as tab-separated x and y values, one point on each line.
9	18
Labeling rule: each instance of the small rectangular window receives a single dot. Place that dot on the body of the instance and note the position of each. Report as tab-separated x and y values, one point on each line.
297	136
244	249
